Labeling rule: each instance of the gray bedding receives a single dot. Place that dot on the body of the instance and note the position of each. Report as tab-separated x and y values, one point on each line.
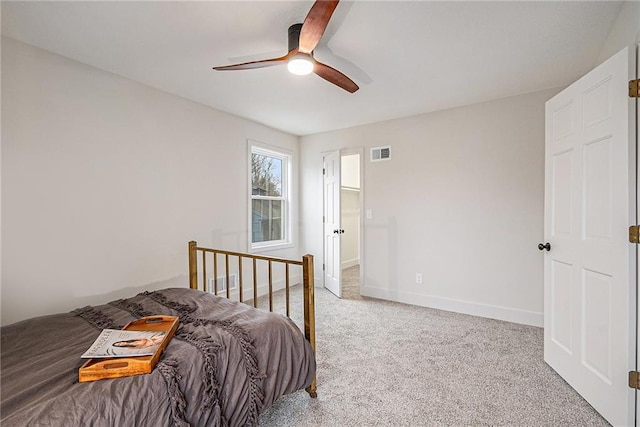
226	363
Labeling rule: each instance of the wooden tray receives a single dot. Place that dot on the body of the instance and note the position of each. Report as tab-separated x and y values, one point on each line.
116	367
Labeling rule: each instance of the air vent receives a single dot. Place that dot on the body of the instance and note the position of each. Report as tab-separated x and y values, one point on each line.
222	283
380	153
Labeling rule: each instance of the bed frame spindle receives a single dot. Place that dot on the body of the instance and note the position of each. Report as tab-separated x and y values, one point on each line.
204	272
270	286
255	284
215	273
240	277
226	269
309	312
286	286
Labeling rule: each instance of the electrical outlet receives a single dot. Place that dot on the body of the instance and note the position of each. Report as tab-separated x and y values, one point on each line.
419	278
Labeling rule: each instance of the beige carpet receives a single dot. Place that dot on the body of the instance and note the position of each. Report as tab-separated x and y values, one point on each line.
351	283
388	364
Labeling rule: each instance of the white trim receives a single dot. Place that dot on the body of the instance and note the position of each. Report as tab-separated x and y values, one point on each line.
272	247
457	306
247	288
361	259
263	288
287	183
350	263
636	272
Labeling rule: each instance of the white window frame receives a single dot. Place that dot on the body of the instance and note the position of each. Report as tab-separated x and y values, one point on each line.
286	158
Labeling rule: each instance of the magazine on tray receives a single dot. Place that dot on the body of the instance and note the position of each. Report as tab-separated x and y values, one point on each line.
124	343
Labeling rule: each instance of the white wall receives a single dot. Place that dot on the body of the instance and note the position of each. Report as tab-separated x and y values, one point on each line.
350	171
461	201
105	180
625	31
350	223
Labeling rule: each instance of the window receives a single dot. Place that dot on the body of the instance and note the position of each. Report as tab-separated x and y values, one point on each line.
268	214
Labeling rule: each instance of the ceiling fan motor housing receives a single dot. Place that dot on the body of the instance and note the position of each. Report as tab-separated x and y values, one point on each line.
294	36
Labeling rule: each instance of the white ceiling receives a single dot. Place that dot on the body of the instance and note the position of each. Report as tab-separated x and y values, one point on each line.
407	57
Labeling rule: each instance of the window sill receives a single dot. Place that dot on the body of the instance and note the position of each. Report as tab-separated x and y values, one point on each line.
268	248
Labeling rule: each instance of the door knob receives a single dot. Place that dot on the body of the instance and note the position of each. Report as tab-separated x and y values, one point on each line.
546	246
340	231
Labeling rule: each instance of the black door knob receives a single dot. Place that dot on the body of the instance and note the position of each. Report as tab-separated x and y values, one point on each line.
546	246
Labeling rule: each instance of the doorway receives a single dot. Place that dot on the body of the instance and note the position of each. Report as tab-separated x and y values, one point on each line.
343	201
350	219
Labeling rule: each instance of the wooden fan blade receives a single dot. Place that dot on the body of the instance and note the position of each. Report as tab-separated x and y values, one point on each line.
334	76
257	64
315	23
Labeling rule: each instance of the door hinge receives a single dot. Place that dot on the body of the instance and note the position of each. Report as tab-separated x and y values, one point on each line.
634	88
323	171
634	234
634	379
322	267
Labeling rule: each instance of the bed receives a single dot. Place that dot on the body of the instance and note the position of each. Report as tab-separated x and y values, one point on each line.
227	362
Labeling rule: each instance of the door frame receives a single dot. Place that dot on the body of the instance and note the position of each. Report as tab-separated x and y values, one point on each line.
360	152
345	152
332	210
637	221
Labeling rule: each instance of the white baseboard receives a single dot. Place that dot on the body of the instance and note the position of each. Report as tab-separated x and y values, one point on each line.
263	288
458	306
350	263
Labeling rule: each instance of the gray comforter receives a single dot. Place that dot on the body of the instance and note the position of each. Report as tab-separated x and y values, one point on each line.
226	363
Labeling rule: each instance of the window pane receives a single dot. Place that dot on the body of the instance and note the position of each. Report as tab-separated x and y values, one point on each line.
267	220
266	175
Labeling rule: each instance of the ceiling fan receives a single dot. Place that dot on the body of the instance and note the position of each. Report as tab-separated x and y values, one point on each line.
303	38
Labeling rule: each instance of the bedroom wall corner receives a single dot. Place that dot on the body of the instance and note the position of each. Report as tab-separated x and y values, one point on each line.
624	32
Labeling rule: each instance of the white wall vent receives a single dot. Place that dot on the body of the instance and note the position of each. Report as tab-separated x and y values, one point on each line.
222	283
380	153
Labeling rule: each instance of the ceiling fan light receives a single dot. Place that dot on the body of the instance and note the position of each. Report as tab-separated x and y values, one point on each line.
300	65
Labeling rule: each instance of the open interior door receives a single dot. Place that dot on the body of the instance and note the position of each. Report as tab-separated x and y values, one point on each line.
590	266
332	225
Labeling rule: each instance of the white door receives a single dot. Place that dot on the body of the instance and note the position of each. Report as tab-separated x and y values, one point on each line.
589	271
332	230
